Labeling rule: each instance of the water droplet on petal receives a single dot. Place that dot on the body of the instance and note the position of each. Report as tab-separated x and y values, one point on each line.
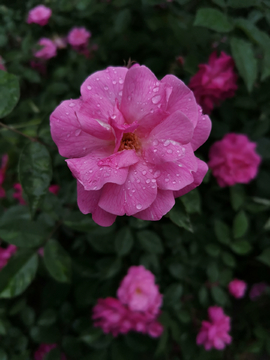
138	181
77	132
98	105
156	89
121	81
167	180
89	87
107	174
84	148
147	181
97	79
106	88
138	206
156	174
68	135
169	151
155	142
154	180
156	99
71	104
144	172
133	190
114	82
177	175
113	116
151	111
167	142
120	93
155	150
174	182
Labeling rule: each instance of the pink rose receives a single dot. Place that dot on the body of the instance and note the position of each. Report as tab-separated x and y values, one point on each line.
39	15
237	288
48	49
3	169
214	82
2	66
234	160
139	292
214	333
44	349
257	290
54	189
18	193
130	142
5	254
111	316
78	36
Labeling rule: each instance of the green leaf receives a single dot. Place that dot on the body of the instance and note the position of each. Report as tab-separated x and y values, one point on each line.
237	196
228	259
241	247
3	355
264	257
79	222
240	225
9	92
23	233
203	296
57	261
219	295
18	274
213	19
48	317
35	172
123	241
109	267
177	270
212	271
222	232
212	250
220	3
245	60
173	294
192	202
242	3
150	241
179	217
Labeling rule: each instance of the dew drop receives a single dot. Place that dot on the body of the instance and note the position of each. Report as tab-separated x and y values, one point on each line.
154	180
77	132
147	181
138	181
167	180
84	149
133	190
151	111
68	135
106	88
167	142
89	87
107	174
156	99
144	172
97	79
138	206
157	174
71	104
174	182
113	117
159	106
169	151
120	93
189	99
121	81
98	105
155	142
177	175
156	89
143	187
114	82
67	113
153	187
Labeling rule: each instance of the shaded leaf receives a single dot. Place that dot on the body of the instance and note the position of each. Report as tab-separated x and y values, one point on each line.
9	91
123	241
213	19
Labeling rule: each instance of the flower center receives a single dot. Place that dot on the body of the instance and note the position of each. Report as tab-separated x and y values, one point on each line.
129	141
138	291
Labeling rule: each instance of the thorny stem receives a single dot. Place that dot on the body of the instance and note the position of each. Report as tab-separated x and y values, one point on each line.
20	133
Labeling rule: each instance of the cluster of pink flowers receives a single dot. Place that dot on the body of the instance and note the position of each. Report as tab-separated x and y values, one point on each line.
136	309
130	140
44	349
214	333
214	82
5	254
3	169
78	38
237	288
233	160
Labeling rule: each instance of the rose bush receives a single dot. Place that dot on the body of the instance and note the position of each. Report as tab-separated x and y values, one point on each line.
179	268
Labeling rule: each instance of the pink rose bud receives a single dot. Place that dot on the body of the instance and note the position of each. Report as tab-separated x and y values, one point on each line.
139	292
44	349
39	15
54	189
18	193
233	160
78	36
214	82
48	49
130	140
5	254
237	288
214	333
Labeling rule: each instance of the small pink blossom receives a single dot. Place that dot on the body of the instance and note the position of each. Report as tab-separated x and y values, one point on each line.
257	290
214	82
3	169
18	193
39	15
54	189
78	37
139	292
237	288
2	65
5	254
45	349
214	333
48	50
233	160
130	142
